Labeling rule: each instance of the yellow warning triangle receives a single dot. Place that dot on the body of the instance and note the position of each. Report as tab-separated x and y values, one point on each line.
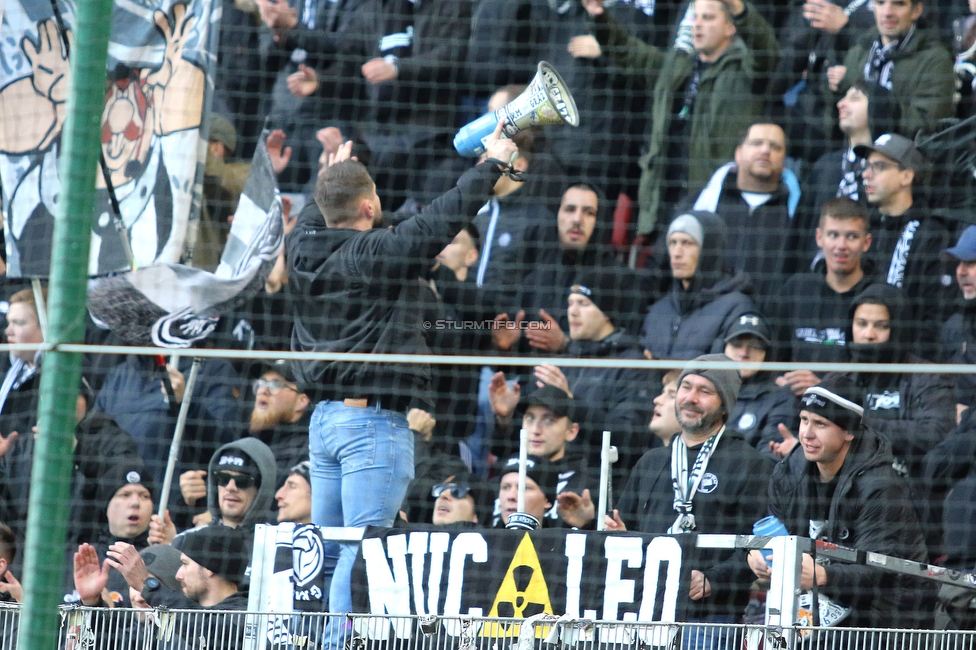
523	591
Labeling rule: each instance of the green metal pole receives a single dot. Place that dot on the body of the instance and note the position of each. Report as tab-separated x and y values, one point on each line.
47	519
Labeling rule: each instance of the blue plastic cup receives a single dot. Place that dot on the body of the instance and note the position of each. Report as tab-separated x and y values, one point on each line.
769	527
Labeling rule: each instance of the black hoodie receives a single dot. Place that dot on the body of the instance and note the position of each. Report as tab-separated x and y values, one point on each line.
357	292
690	322
915	412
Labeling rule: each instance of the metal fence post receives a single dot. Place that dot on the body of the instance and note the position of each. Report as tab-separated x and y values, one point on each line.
48	510
784	584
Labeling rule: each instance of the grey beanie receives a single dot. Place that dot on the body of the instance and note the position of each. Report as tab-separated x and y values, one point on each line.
726	382
688	224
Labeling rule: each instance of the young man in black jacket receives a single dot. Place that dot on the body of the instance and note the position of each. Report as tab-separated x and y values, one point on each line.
213	560
839	487
356	290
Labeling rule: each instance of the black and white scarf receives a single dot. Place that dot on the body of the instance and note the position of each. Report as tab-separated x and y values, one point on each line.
899	258
685	486
880	63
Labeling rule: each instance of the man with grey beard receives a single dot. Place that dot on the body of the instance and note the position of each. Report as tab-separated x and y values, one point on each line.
710	480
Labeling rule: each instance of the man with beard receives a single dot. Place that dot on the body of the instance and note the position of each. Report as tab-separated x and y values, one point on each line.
757	199
709	480
280	417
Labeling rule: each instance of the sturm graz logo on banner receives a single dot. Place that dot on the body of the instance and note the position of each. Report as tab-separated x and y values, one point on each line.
500	573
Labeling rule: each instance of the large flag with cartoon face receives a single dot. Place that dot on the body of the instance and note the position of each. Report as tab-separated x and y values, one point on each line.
158	80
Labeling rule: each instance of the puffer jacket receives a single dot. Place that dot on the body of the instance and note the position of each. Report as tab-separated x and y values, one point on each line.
686	324
871	510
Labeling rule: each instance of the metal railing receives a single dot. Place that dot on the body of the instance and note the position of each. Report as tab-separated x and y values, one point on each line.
154	629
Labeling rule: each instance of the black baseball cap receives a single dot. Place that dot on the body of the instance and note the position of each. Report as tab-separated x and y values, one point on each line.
554	399
894	146
749	325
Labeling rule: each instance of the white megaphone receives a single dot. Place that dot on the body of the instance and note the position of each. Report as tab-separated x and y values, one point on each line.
547	100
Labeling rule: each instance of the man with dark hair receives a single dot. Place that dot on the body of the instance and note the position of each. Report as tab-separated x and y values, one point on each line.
908	71
664	425
813	328
462	500
838	486
908	238
838	173
571	247
294	497
691	132
212	561
757	199
356	290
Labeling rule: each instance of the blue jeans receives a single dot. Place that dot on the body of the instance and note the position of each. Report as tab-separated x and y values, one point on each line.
712	638
361	464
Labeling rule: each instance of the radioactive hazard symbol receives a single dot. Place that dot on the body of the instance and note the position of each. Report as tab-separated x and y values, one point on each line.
523	592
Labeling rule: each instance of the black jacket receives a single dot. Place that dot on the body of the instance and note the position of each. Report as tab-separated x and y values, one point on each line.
356	292
871	510
614	399
957	341
921	274
761	407
688	323
101	444
761	241
736	502
208	630
811	320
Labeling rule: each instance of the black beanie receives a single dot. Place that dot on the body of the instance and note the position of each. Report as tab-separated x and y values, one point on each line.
218	548
837	399
606	289
538	469
121	475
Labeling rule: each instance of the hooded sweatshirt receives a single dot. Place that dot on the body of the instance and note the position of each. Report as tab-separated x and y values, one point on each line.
260	508
915	412
690	322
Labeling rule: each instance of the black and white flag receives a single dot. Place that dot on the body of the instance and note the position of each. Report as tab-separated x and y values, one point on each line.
173	306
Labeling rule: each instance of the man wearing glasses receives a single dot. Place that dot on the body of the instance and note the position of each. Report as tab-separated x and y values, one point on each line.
908	238
280	417
462	501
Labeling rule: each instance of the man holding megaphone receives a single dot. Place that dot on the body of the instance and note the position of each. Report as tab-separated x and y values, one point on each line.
703	95
362	276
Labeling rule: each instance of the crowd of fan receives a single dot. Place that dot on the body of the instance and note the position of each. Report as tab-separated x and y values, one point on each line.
782	212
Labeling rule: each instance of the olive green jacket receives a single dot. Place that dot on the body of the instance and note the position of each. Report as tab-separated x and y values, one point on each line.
726	104
922	82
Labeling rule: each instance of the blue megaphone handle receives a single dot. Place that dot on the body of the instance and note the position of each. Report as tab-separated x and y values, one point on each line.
467	142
